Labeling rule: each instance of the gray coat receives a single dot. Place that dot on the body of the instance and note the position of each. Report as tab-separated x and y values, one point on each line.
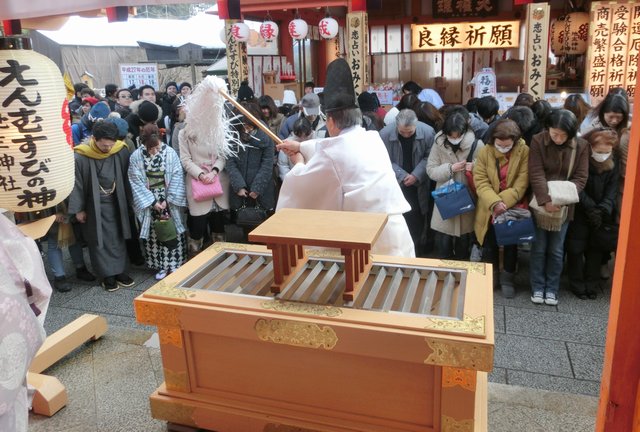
421	149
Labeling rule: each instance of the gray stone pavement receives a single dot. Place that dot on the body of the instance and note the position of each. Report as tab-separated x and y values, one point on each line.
547	363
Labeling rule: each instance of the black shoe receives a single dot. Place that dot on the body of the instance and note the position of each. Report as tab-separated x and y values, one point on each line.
109	283
60	284
139	262
124	280
83	274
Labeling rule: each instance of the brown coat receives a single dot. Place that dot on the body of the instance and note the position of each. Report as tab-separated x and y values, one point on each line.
549	161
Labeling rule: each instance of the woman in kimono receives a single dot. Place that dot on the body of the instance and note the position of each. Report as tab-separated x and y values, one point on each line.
157	183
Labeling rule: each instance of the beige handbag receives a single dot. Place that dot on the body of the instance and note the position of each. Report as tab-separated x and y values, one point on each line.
563	193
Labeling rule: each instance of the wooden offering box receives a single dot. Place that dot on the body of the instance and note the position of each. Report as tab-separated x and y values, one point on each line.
411	352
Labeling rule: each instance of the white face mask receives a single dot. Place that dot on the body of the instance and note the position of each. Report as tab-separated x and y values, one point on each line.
504	150
455	141
600	157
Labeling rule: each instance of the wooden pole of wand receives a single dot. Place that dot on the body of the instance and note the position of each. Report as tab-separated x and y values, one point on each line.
259	124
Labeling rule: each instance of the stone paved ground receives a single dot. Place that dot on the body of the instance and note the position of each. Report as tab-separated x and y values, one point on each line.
550	356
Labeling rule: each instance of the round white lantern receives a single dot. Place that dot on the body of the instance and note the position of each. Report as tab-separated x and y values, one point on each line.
328	28
269	30
36	148
223	36
298	29
240	31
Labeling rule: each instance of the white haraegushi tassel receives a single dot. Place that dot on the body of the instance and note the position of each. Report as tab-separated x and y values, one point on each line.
207	119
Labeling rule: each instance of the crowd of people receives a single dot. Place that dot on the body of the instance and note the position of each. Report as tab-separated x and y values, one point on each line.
139	171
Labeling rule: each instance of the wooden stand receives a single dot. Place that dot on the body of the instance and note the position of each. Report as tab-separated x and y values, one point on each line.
51	395
287	231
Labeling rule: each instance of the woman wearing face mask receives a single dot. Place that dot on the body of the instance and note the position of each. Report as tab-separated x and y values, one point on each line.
555	154
448	160
596	211
501	176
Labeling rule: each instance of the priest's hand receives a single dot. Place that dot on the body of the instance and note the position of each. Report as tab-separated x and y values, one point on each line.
289	147
253	195
409	180
296	158
243	193
81	216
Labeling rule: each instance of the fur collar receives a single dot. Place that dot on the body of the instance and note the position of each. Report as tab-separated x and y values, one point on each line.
135	105
600	167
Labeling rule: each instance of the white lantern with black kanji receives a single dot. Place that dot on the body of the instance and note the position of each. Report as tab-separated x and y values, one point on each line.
36	148
269	30
240	32
328	28
298	29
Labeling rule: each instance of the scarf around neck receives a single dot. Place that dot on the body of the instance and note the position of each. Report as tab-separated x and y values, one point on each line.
92	151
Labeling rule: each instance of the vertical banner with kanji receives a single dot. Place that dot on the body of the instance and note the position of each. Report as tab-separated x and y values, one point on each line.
358	49
537	48
614	46
237	65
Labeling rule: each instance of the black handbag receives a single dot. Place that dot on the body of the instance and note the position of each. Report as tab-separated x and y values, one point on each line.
605	237
250	216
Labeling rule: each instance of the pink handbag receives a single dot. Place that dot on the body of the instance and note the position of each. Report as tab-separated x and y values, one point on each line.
205	192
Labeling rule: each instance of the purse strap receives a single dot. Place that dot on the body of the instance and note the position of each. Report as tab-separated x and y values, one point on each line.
473	149
572	160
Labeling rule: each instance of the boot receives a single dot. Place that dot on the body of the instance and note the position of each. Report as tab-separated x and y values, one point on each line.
506	284
194	247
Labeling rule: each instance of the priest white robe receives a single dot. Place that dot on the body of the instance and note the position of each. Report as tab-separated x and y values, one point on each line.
351	172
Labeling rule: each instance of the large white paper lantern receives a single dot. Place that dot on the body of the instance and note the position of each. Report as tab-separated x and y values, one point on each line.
328	28
223	35
269	30
240	31
36	148
298	28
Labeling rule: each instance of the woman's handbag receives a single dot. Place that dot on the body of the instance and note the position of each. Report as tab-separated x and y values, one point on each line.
605	237
165	229
515	231
205	192
250	216
453	199
554	221
66	237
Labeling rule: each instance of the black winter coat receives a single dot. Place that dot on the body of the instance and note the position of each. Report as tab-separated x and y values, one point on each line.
252	169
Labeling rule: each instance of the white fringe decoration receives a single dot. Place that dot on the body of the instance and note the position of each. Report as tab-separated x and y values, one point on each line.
207	119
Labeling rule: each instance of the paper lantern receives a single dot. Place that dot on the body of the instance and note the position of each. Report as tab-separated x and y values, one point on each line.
36	149
569	34
223	35
298	29
328	28
269	30
240	31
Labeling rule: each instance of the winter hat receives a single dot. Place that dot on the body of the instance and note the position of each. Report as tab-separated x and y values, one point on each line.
99	111
91	100
245	93
289	98
310	104
123	126
171	83
185	84
368	102
148	112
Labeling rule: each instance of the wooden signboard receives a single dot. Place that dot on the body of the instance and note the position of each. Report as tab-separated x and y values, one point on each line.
466	35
